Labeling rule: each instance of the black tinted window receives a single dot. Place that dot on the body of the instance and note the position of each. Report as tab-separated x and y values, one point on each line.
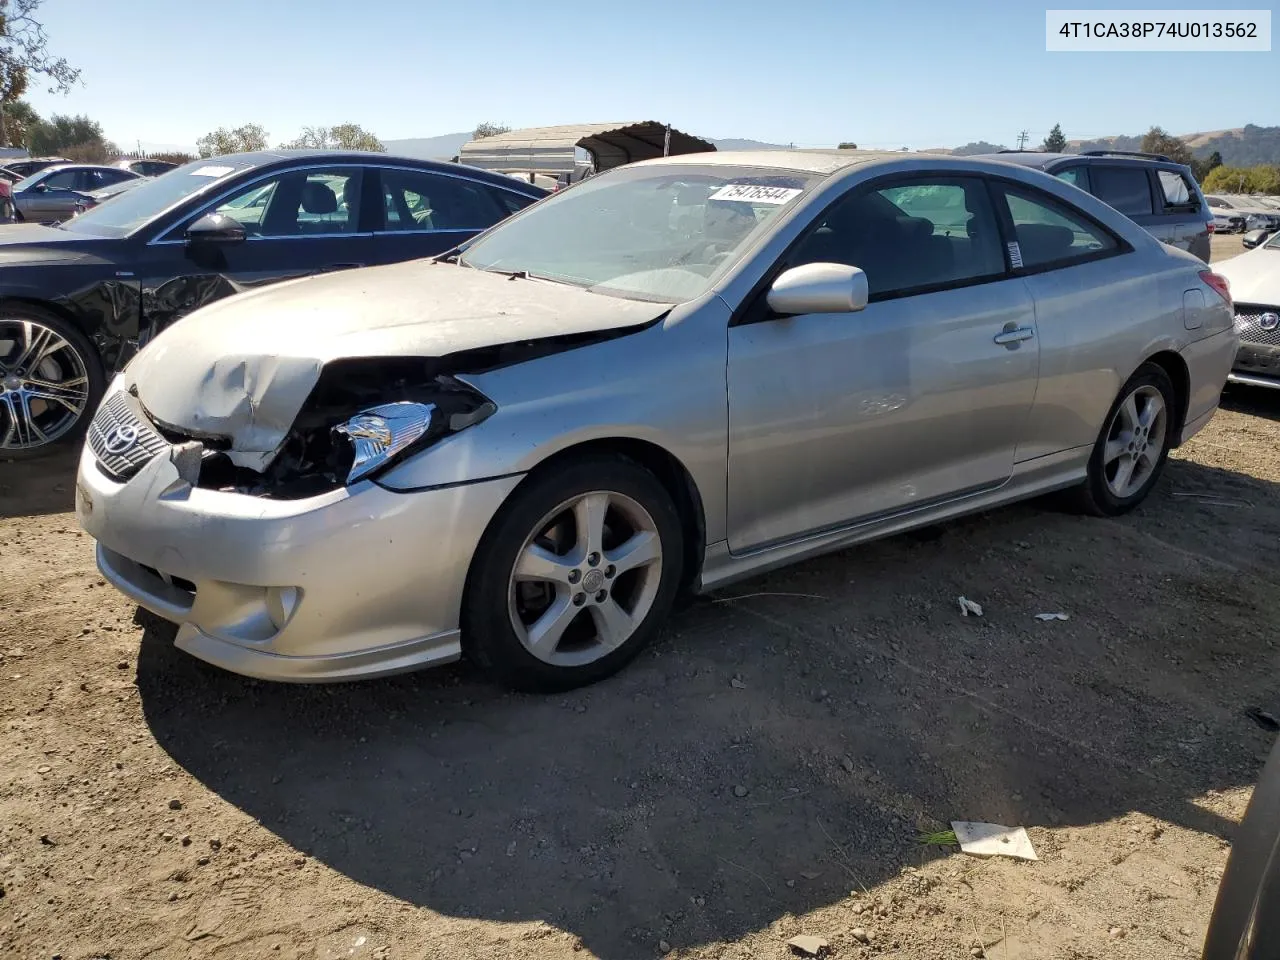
910	236
1126	188
415	200
510	202
1048	233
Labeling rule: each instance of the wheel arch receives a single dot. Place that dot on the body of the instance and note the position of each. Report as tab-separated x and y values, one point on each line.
1172	363
671	473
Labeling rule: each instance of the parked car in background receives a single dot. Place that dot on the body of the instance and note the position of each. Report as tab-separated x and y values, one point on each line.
29	165
1227	222
52	194
146	168
672	375
1255	289
1159	195
85	294
1255	237
8	212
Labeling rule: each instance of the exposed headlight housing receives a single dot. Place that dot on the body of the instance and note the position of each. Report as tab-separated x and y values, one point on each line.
379	434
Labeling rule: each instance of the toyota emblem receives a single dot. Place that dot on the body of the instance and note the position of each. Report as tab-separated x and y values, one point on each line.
1269	321
120	438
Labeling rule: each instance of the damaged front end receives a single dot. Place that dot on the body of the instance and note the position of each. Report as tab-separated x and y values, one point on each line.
362	416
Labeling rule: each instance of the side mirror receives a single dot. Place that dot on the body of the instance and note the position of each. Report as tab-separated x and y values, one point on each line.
215	228
819	288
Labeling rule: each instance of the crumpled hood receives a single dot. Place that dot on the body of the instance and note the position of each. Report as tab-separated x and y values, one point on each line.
1254	276
242	367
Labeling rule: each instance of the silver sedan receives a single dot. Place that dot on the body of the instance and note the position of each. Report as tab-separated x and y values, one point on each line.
665	378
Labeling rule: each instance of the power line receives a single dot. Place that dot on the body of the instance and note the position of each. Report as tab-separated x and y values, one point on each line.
1022	139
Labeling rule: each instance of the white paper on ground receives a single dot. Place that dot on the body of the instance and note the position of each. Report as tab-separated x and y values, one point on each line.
968	606
1052	616
993	840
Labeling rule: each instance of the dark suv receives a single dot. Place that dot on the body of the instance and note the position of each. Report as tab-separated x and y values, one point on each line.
1153	191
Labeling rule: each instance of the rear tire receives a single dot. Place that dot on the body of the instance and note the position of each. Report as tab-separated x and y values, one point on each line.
51	380
574	576
1133	447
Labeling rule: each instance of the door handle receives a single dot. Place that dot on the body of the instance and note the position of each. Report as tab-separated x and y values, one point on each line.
341	266
1012	336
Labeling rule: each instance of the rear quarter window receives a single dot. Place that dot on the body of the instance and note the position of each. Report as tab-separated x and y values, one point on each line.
1128	189
1177	193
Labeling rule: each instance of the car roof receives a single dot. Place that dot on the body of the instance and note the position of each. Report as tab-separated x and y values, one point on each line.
803	161
1039	160
261	158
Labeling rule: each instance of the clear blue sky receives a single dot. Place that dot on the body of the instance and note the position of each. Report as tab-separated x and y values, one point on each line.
917	73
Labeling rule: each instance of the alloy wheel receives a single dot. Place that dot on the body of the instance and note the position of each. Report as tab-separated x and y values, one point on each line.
44	384
1135	442
586	578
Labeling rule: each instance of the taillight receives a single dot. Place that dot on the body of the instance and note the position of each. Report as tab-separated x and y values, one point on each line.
1210	225
1219	284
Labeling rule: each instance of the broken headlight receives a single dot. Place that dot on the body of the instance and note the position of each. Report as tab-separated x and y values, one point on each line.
379	434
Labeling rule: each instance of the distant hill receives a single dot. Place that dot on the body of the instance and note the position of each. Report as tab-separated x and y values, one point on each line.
447	146
1244	146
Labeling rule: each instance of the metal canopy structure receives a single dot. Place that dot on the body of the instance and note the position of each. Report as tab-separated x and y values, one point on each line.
554	150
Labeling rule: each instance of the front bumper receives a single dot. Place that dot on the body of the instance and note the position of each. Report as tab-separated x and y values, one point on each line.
1256	365
356	583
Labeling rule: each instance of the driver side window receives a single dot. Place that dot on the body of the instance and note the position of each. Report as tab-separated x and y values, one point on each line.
296	203
910	237
62	180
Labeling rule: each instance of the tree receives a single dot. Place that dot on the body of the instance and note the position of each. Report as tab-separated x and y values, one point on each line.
1056	141
18	122
1263	178
23	54
60	133
1156	140
245	139
345	136
847	145
91	151
1202	168
488	129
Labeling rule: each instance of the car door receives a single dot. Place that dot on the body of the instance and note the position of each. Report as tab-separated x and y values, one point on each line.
46	200
919	398
1178	203
425	213
1081	282
296	222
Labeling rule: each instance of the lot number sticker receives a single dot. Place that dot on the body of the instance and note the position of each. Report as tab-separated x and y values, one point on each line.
753	193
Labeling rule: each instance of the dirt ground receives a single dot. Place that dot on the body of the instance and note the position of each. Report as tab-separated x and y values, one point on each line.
766	770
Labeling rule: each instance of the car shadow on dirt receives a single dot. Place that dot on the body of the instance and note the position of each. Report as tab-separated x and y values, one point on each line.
787	741
46	484
1255	401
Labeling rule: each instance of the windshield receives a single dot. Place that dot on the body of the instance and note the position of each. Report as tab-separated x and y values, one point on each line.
654	233
1274	242
130	210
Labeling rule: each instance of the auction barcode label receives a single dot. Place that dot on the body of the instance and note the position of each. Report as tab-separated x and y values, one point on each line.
1235	31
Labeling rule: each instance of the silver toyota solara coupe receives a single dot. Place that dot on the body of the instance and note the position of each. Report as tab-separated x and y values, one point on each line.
667	377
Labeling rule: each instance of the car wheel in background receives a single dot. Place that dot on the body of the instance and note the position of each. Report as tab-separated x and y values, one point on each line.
50	381
574	576
1133	446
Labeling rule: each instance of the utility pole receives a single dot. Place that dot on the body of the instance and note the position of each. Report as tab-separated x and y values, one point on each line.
1023	137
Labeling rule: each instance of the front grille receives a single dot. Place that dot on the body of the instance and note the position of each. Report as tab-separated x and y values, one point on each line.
118	419
1249	324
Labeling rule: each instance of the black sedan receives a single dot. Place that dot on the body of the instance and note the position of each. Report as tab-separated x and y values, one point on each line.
79	298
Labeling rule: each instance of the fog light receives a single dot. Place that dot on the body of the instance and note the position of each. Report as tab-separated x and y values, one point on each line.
281	602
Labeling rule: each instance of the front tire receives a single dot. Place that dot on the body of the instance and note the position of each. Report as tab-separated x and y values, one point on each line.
51	379
1134	445
574	576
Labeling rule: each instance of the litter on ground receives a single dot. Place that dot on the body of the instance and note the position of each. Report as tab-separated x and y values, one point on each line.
993	840
968	606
